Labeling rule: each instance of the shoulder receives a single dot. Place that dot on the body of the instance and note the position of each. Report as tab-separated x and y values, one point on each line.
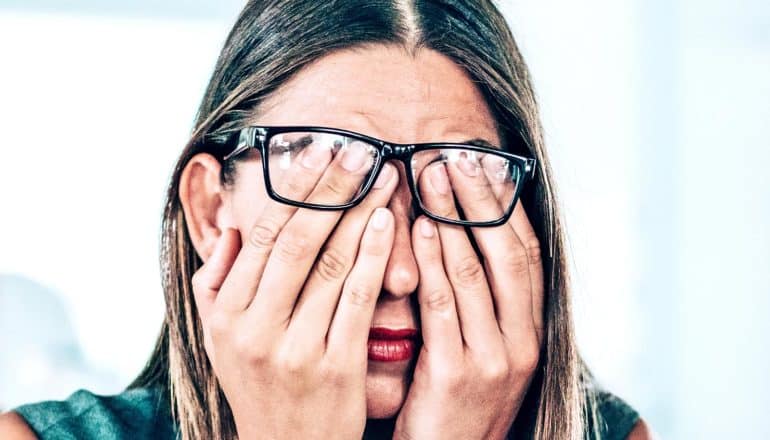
642	431
135	413
617	420
13	427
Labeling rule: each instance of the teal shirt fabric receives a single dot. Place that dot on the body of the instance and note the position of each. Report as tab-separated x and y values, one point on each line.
144	413
141	413
616	417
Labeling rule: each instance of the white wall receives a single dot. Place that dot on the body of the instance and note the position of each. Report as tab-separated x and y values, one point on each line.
656	115
724	237
94	112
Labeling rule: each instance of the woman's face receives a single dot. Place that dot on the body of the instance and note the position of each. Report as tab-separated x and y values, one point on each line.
386	93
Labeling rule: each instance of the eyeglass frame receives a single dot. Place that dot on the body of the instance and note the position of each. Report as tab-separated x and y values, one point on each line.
259	136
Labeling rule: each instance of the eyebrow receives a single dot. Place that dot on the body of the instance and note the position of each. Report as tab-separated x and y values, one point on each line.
481	143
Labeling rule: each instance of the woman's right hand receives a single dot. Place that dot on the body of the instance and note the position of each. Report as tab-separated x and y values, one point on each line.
286	315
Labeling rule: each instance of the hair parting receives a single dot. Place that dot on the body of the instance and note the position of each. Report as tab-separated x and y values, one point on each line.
270	42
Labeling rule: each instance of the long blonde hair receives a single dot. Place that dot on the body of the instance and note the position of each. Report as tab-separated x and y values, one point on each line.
272	40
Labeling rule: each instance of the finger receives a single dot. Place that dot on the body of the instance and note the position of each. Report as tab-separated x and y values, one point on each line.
321	292
519	222
504	195
466	274
299	242
503	252
208	279
349	329
345	176
526	233
295	183
472	188
499	174
438	312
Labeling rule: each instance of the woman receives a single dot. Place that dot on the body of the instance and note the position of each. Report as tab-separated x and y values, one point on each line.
352	245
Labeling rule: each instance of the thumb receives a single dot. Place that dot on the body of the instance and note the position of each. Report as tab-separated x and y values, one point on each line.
208	279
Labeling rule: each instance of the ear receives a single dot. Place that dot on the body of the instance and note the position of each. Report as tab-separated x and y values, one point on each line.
205	203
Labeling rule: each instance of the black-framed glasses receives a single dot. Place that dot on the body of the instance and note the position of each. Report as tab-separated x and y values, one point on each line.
332	169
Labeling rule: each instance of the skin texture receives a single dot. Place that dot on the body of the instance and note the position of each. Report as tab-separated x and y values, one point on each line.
642	431
260	345
13	427
480	318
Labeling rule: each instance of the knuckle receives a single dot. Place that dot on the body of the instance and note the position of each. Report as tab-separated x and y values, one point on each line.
443	209
495	370
360	294
438	300
291	247
247	347
518	262
534	252
263	235
219	324
527	359
292	362
335	187
482	192
337	376
332	265
450	379
294	186
468	271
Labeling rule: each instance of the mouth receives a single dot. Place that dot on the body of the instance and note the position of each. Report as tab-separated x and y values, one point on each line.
392	345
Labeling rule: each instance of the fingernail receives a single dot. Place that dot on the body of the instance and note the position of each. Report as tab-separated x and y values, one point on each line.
354	157
439	180
468	164
380	220
427	228
384	177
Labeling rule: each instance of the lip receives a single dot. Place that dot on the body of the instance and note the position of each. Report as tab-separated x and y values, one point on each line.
391	345
387	334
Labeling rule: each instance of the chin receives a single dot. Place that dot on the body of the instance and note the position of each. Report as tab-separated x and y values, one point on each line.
385	393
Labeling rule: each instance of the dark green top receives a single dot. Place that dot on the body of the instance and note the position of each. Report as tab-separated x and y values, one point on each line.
144	413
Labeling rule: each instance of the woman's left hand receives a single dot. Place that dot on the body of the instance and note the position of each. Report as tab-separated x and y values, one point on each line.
482	320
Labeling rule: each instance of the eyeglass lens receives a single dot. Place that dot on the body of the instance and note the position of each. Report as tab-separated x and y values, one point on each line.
331	170
463	184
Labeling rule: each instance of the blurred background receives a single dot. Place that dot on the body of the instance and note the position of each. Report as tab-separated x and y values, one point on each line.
657	114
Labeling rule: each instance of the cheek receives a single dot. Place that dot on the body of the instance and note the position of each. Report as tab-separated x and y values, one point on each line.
249	196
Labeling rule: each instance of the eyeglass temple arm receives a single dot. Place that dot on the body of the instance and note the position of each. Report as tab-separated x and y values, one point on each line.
530	168
247	138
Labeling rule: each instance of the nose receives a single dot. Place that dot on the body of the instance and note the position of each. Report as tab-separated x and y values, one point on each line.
401	274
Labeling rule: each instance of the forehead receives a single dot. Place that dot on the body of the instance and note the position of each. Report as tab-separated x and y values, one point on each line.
385	92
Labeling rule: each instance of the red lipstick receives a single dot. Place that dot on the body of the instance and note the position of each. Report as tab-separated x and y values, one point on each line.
388	345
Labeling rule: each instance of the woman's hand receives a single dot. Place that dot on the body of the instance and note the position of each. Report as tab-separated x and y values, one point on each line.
286	332
482	320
